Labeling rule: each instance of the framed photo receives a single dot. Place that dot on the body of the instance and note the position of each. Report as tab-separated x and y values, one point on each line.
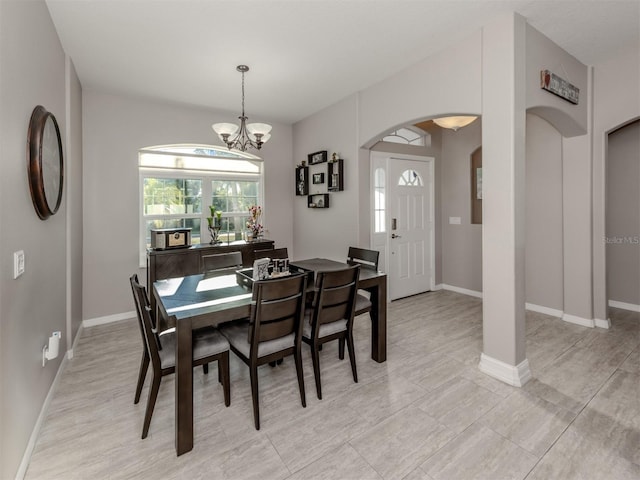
302	181
318	178
317	157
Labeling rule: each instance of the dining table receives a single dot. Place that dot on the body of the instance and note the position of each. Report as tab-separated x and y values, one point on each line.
209	299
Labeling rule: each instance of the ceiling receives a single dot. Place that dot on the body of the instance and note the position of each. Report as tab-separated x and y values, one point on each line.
304	55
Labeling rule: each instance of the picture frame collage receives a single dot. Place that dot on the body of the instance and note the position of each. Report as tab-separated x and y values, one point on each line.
315	182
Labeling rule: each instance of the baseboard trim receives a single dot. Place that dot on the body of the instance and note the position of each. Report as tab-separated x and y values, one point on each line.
26	458
75	341
541	309
515	376
603	323
585	322
624	306
464	291
92	322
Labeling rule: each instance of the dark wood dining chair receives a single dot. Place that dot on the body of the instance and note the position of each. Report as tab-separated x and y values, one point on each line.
208	346
144	362
331	317
274	330
278	253
366	259
221	261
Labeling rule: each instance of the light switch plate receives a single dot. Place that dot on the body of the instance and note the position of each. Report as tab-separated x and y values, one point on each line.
18	263
454	220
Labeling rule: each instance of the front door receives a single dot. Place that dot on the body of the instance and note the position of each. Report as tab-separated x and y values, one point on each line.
410	226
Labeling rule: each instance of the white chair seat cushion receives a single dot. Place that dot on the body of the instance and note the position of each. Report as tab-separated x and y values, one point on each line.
326	329
206	343
362	303
237	334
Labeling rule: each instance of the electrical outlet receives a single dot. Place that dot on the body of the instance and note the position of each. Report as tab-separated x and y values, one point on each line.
18	263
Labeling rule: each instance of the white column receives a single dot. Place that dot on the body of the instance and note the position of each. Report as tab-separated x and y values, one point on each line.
503	238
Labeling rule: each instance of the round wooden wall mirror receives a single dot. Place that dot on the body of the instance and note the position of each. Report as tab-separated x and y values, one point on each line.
44	162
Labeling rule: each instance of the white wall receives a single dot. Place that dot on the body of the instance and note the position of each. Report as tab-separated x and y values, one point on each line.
115	128
461	244
328	232
73	177
616	102
544	241
623	215
446	83
34	305
543	54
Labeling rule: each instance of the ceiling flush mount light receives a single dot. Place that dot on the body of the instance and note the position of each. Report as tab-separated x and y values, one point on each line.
454	123
253	135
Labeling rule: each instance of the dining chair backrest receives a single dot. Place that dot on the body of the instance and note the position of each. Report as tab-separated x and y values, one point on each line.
363	257
279	253
277	309
335	296
143	309
221	261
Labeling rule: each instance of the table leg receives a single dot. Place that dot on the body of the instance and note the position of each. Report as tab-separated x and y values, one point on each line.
184	387
379	321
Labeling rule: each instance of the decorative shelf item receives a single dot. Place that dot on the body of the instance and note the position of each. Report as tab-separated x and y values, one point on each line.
319	200
302	181
317	157
335	175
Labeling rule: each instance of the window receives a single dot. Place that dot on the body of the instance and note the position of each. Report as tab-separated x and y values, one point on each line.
379	221
178	183
405	136
410	178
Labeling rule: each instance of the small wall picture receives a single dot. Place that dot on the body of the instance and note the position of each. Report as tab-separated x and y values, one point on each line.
318	178
317	157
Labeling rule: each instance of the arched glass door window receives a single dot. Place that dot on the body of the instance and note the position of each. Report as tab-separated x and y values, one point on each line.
379	201
410	178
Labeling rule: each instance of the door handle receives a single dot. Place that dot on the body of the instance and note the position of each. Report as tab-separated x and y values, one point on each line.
393	235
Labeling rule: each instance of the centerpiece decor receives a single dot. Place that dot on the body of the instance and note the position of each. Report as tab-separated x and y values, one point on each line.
214	224
255	228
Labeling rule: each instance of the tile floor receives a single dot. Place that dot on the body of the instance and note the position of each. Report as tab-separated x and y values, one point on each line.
427	413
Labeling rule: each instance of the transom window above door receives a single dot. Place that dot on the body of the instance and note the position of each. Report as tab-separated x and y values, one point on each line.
406	136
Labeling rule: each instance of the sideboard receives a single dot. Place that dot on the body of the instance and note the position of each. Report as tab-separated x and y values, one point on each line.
180	262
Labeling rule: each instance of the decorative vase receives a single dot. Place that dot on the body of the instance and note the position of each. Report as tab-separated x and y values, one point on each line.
215	235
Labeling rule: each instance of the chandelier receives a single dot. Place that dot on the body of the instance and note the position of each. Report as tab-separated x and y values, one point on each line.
253	135
454	123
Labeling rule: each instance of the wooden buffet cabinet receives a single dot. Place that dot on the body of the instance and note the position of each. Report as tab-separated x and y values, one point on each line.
180	262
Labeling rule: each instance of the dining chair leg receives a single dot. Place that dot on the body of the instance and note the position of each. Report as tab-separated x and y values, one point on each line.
341	348
315	356
151	403
144	365
205	368
298	358
253	373
223	369
352	357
